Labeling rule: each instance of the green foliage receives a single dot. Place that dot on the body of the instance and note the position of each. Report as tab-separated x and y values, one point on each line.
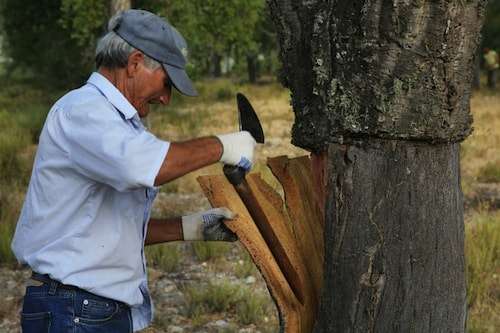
214	28
84	19
53	41
491	28
217	22
166	257
490	173
38	45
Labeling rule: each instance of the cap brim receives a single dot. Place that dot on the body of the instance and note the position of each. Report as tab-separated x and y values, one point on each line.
180	80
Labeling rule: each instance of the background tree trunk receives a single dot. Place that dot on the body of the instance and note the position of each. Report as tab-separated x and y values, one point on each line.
216	66
382	88
117	5
252	67
492	78
476	80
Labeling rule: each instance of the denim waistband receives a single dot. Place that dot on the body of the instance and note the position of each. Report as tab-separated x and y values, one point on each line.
54	285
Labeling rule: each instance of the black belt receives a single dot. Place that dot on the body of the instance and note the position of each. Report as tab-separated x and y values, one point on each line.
46	279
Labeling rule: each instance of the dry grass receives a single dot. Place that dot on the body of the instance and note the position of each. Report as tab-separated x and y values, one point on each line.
482	250
214	113
249	306
481	151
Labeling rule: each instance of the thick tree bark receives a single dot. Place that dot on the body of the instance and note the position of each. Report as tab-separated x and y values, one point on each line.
382	87
387	69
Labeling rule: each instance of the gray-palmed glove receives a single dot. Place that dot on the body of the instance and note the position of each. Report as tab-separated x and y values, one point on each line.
208	226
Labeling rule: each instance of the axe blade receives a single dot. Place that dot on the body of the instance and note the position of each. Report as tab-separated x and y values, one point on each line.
248	118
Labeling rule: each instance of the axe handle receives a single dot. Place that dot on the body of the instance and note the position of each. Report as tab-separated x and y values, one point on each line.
270	238
234	174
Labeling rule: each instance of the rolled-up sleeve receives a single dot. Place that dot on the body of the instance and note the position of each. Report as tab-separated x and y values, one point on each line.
110	149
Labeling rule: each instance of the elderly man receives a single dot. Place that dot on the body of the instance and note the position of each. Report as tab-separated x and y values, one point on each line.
85	219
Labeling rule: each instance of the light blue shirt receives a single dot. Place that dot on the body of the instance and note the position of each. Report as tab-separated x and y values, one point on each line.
85	215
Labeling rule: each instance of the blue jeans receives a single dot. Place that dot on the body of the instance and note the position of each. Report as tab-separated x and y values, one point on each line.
56	308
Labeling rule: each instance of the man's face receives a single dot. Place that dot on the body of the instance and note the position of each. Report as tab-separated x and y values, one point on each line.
149	87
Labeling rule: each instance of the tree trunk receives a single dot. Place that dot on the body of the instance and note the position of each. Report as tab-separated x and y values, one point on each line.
252	67
476	80
395	239
216	67
492	78
118	5
383	87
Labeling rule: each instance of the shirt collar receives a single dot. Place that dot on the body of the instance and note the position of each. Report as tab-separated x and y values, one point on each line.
113	95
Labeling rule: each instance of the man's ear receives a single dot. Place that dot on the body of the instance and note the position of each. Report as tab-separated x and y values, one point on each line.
134	60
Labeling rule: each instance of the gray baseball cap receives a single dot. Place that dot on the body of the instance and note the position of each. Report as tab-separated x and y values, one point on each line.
159	40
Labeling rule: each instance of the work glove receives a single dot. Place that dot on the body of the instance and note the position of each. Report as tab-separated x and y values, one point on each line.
208	226
238	149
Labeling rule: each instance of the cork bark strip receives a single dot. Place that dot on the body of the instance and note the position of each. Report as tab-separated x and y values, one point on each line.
304	210
299	225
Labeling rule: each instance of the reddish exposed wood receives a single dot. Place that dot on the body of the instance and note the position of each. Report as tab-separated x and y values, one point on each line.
318	166
295	175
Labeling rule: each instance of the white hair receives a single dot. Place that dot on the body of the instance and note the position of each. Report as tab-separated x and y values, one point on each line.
112	51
